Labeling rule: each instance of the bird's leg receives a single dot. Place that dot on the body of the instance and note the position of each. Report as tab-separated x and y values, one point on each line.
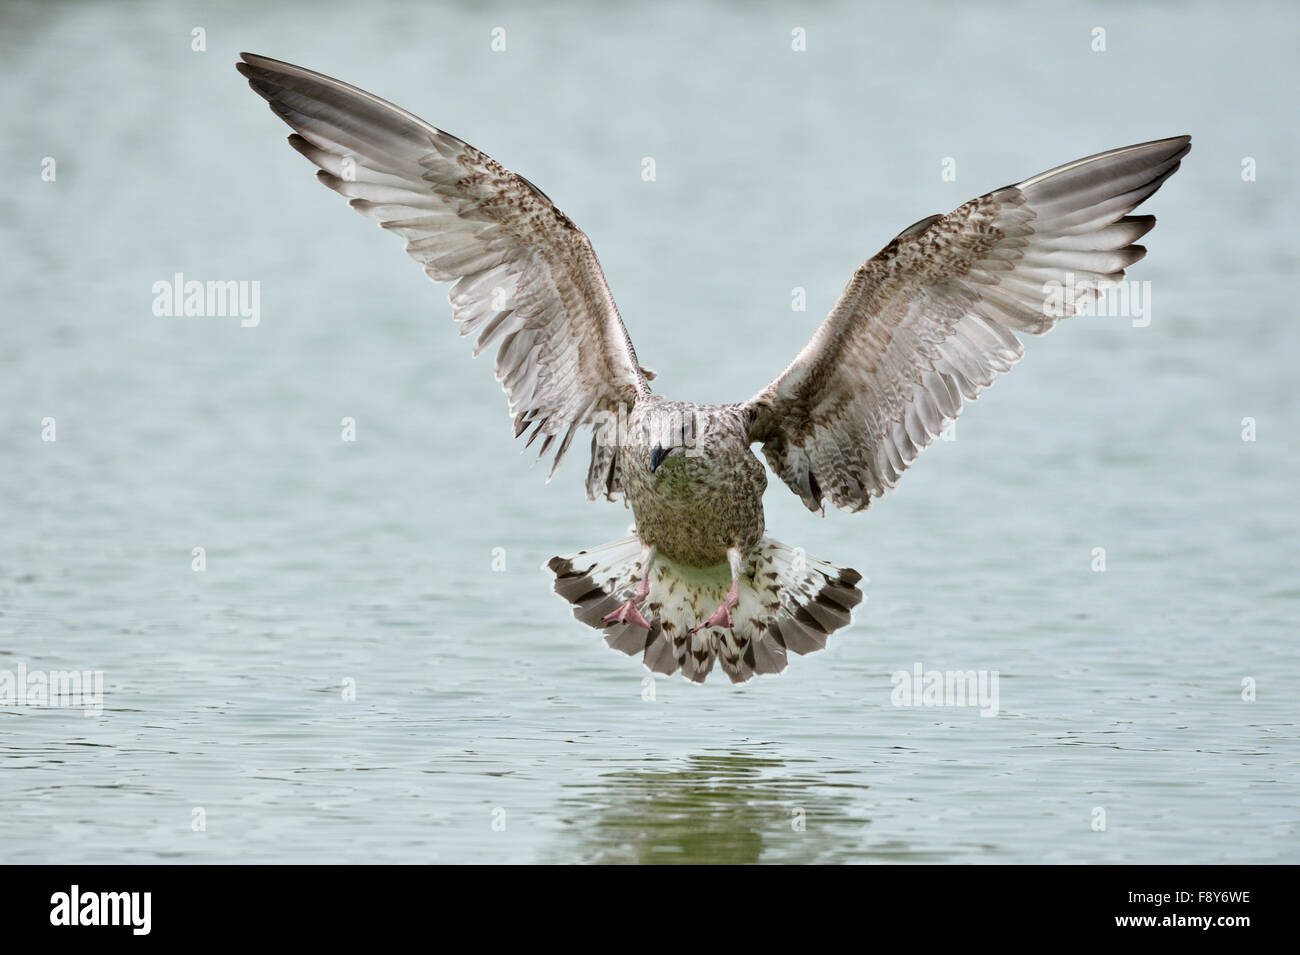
722	616
628	612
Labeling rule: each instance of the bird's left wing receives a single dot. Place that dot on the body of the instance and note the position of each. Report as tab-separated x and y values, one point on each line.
929	320
526	277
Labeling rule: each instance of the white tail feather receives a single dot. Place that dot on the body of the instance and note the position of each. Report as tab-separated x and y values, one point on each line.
788	602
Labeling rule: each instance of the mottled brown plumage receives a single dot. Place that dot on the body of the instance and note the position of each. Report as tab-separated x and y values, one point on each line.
922	326
706	496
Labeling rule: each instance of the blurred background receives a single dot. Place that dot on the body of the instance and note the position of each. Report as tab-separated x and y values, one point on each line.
370	665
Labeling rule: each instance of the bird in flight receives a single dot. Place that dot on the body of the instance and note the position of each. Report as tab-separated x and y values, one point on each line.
922	327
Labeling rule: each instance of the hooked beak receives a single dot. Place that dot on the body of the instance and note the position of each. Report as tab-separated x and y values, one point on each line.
657	455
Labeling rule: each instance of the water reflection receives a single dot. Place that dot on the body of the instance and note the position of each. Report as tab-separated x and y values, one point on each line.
714	808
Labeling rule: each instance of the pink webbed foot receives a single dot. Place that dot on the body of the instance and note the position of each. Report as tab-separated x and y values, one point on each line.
722	616
719	618
628	613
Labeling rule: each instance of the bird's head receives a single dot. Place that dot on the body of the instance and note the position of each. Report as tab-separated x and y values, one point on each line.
657	455
671	433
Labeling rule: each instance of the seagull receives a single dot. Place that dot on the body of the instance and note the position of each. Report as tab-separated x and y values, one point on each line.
922	327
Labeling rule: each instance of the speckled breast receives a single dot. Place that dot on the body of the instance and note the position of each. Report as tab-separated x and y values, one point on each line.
699	502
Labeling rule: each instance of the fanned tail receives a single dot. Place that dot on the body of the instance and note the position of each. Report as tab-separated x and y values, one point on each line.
788	602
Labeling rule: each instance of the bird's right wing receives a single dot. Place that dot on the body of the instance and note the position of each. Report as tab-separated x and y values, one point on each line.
526	277
930	319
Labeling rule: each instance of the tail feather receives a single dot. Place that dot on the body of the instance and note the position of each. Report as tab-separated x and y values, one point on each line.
789	602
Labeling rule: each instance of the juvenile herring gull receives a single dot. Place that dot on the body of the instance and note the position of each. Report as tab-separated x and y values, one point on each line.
922	327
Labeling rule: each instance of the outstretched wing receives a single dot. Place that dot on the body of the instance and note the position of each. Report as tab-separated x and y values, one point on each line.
929	320
526	277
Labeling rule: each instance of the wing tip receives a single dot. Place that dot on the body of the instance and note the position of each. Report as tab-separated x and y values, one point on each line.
1165	153
258	61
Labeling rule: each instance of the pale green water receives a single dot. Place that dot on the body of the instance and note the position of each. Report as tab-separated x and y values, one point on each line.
372	561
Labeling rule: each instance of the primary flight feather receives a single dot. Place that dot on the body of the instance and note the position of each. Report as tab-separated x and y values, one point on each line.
922	327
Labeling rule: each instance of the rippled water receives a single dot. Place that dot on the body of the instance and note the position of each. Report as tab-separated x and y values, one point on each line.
488	725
